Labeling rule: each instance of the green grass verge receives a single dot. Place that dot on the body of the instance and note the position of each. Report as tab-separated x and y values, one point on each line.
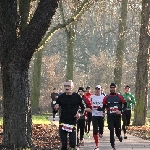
43	119
36	119
148	114
40	119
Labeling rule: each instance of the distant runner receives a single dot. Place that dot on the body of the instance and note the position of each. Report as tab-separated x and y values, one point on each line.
126	116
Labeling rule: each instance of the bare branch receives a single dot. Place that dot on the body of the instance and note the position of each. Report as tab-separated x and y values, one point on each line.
74	17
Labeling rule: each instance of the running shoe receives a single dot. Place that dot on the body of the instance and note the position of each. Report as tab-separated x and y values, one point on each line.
77	148
82	142
96	148
125	136
120	138
100	135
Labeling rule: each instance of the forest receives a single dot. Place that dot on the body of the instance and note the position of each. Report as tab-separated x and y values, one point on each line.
45	42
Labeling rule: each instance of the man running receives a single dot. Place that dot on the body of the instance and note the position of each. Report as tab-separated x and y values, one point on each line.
88	94
54	96
70	103
113	102
81	120
126	116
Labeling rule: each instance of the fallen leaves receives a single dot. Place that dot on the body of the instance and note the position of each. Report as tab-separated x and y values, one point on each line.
140	131
45	136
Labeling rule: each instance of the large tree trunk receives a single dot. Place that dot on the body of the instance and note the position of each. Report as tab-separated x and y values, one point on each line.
142	76
120	46
15	55
15	104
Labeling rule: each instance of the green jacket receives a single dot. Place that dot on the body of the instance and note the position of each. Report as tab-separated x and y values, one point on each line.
129	98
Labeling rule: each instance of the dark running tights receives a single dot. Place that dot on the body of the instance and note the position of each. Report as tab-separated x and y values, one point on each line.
126	116
63	137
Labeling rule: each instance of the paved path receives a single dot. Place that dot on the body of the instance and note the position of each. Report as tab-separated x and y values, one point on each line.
132	143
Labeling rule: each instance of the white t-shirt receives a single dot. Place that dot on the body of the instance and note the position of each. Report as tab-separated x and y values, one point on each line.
97	101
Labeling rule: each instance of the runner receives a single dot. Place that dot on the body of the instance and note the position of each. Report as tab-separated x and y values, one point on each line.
81	120
126	116
97	115
54	96
69	103
87	94
113	102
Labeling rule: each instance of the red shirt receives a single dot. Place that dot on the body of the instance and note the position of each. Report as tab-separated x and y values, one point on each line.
88	95
88	105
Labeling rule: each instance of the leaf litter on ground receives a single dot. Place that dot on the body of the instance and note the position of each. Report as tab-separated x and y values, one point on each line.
44	136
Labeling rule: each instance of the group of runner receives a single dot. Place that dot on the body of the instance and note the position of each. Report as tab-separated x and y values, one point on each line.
79	108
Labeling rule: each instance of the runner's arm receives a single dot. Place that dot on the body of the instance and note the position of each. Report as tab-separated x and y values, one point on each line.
123	102
82	105
133	100
56	107
105	103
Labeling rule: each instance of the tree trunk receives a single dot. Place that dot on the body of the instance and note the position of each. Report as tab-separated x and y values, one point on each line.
70	51
70	45
15	55
120	46
142	76
24	8
15	104
35	93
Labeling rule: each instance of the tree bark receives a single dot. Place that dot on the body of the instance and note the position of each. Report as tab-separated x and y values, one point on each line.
24	8
15	55
35	93
15	103
120	46
142	75
70	33
70	51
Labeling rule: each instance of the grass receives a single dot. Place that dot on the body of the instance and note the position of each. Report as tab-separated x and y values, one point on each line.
40	119
43	119
36	119
1	120
148	114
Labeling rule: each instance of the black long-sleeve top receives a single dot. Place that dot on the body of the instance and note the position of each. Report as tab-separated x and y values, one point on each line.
69	107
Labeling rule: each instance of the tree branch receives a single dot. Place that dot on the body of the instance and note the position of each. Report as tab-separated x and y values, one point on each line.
74	17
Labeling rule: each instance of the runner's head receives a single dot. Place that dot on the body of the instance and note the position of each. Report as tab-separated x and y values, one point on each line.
113	88
81	91
54	90
68	86
88	89
127	89
97	90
